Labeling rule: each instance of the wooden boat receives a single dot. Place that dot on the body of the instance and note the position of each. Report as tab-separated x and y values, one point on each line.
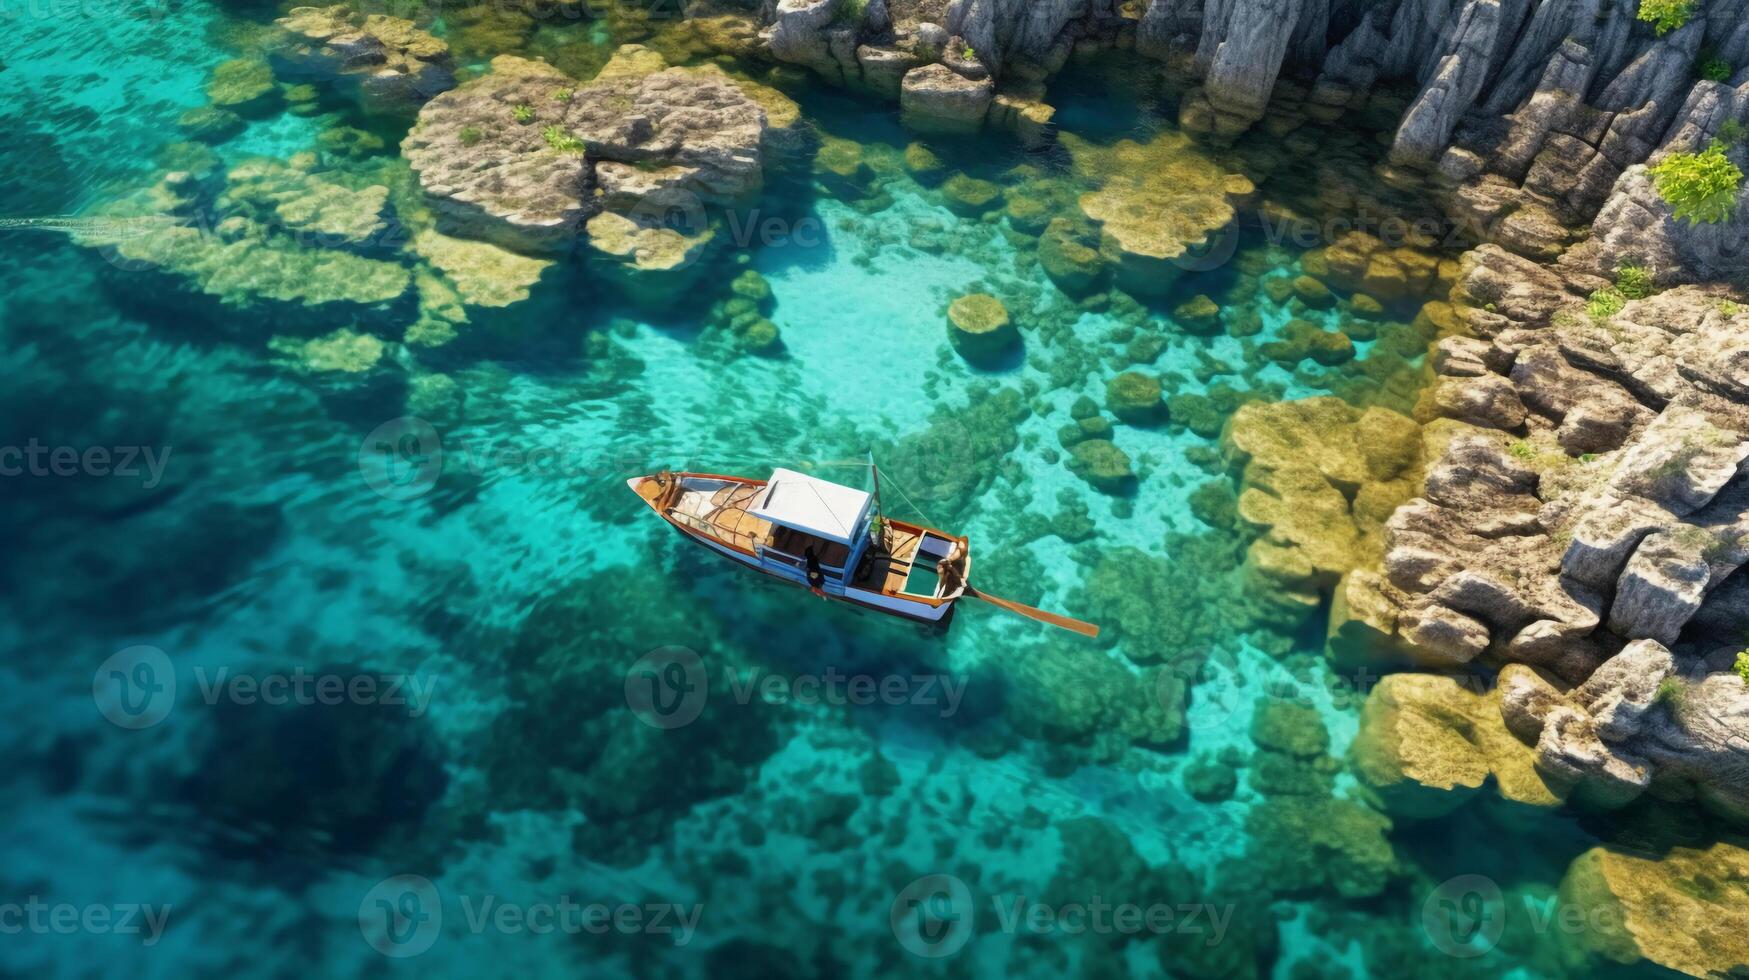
828	538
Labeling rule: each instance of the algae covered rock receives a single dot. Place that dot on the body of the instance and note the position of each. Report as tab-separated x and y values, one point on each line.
1163	206
1079	694
243	86
1427	744
1198	315
840	166
389	63
1309	844
1102	464
210	124
317	210
1209	780
1068	251
1686	910
653	265
970	196
484	274
979	327
277	250
923	165
1318	480
1135	398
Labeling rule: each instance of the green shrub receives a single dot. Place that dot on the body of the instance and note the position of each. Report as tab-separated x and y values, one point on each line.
1729	308
1742	666
522	113
470	135
1522	450
562	141
1672	695
1714	70
1666	15
1634	281
1699	187
1733	132
563	94
1605	303
850	12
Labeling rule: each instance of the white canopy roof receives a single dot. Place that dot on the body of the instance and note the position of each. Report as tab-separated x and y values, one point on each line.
812	506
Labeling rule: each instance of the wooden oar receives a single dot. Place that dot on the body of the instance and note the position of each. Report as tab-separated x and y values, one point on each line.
1062	622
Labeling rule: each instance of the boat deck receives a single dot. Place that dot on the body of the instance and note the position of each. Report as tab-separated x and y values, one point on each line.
721	512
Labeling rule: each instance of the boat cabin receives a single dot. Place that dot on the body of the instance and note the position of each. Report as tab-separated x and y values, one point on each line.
810	514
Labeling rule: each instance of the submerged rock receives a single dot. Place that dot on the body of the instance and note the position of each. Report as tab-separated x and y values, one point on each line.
980	329
1686	910
1428	743
1158	205
387	62
1135	398
482	273
1102	464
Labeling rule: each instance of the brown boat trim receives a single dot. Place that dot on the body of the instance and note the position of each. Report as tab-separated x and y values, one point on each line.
702	539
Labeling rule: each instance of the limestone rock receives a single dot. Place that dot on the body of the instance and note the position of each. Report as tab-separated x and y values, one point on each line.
504	160
934	99
1427	743
979	327
392	65
1687	909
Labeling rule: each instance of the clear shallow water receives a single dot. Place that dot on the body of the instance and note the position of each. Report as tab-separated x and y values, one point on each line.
518	592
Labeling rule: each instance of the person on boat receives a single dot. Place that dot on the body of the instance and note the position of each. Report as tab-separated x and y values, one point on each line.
816	575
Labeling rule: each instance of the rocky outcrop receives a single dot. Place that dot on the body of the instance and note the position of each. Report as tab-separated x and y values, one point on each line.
935	99
1318	478
523	155
1427	744
390	63
1686	910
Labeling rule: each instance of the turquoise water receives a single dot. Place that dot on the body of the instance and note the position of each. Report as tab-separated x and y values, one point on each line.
512	602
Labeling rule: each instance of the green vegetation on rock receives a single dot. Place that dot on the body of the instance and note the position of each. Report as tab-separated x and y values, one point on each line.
1699	187
1666	15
